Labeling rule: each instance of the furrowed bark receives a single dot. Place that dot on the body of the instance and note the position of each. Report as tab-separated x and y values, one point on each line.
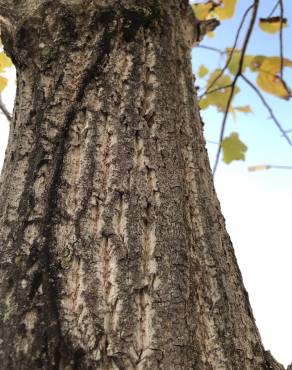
114	253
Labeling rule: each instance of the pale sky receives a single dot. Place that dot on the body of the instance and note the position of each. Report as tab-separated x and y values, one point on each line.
257	205
257	208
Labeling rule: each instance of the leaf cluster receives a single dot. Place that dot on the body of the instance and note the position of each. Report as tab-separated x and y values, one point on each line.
221	87
5	62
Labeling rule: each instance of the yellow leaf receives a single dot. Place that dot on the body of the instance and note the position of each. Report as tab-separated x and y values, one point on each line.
243	109
233	64
274	85
220	97
272	24
202	71
233	148
3	83
269	80
202	10
227	10
221	81
273	64
211	34
5	62
256	62
259	168
203	103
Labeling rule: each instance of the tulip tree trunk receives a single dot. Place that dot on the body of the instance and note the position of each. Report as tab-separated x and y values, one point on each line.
114	252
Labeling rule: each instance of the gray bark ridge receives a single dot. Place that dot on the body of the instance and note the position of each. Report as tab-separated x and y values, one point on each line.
113	250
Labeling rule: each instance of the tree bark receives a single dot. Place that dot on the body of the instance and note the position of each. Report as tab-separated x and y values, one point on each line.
114	252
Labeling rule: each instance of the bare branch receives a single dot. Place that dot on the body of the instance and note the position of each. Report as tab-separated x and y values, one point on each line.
221	52
5	110
217	89
274	9
231	53
260	95
212	142
238	74
261	167
281	37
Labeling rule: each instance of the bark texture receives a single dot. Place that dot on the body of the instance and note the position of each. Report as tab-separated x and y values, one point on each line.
114	253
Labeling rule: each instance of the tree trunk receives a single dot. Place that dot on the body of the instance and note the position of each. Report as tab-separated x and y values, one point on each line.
114	253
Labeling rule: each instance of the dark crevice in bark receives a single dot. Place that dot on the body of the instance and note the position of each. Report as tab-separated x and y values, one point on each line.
93	70
37	158
78	359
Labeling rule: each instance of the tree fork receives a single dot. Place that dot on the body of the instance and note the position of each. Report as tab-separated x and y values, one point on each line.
114	252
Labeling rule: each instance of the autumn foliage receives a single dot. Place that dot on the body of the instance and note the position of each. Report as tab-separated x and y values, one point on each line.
220	85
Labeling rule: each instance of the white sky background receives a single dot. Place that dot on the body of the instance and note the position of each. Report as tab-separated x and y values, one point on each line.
257	205
258	218
257	208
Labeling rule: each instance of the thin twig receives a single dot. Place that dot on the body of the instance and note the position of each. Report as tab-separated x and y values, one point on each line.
212	142
260	95
217	89
5	110
281	37
207	91
238	74
221	52
274	9
281	167
268	167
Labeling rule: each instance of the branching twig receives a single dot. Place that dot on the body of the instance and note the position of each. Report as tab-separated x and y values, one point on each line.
274	9
221	52
238	74
281	37
260	95
5	110
212	142
217	89
231	53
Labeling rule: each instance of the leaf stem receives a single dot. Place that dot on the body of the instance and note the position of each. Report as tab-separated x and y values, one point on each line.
260	95
231	53
5	110
238	74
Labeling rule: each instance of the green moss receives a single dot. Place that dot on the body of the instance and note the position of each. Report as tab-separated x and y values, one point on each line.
46	51
18	260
